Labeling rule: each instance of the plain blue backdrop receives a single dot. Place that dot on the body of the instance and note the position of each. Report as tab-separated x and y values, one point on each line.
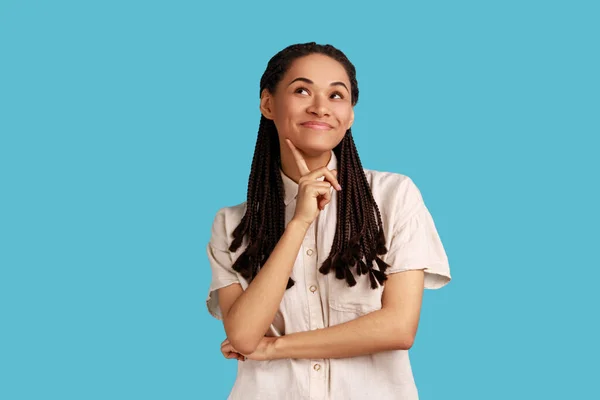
125	125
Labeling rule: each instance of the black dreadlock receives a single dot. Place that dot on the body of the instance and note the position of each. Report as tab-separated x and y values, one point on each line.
359	237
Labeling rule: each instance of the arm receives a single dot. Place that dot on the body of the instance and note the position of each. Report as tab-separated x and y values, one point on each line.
248	314
392	328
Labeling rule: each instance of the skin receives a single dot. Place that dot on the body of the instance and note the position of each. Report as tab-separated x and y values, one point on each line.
305	152
248	314
327	99
393	327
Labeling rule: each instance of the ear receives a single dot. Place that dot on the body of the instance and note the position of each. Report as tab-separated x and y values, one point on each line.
266	104
351	119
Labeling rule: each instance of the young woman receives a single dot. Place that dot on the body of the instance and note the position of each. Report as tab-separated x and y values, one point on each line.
318	276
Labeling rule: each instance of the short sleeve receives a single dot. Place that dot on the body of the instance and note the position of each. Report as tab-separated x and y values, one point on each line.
415	242
220	261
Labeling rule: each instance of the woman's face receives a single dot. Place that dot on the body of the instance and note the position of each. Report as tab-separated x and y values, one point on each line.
311	105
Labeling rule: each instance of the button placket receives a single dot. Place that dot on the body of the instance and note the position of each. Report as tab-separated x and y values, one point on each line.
310	273
318	383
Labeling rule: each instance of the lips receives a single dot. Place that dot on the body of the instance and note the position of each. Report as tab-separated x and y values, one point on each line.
316	125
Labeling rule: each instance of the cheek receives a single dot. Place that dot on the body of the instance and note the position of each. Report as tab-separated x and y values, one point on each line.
286	110
344	114
285	113
286	103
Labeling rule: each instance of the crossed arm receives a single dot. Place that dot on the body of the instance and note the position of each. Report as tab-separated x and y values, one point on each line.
393	327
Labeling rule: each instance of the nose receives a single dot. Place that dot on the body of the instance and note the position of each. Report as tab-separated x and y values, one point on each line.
318	107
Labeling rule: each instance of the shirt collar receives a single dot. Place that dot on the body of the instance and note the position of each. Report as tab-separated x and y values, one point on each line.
291	188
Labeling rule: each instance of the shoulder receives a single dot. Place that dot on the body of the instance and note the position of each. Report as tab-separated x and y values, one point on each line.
393	186
224	223
396	194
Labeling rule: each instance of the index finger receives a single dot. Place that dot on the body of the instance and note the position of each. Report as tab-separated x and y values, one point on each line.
302	167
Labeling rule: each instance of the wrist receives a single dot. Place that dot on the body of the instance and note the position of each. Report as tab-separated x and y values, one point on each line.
298	225
277	348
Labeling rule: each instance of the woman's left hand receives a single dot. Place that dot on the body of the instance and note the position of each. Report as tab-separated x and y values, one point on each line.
264	351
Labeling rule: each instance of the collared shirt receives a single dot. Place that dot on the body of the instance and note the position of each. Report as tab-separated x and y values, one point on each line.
319	301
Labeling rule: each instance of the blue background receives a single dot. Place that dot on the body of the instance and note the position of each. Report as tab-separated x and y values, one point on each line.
125	126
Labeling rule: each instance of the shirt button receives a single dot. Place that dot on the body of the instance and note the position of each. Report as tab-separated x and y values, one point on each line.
317	367
309	252
313	288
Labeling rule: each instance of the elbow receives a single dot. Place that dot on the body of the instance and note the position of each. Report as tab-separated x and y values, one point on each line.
403	334
241	341
403	341
406	342
243	345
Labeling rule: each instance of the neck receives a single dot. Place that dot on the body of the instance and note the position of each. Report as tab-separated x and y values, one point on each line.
289	167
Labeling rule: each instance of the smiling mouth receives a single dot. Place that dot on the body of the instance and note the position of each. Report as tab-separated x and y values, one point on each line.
317	125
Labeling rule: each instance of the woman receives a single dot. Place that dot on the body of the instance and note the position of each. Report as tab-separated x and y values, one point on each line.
318	277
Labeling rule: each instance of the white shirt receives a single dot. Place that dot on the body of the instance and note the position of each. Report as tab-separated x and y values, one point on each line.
318	301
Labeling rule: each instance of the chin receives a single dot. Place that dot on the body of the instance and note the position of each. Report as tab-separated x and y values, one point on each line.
316	148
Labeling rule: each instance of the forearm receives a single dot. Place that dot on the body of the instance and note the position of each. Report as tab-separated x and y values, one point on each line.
252	313
377	331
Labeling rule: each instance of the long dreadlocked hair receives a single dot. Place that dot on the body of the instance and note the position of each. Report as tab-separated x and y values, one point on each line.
359	237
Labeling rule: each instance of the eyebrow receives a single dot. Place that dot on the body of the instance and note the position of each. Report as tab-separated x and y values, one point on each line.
338	83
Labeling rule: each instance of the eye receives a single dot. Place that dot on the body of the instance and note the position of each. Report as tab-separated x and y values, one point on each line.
338	94
300	89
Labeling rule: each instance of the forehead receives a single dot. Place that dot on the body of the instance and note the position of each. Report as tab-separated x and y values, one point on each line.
319	68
